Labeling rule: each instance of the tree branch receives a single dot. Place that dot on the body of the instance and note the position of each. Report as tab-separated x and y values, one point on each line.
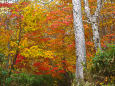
45	2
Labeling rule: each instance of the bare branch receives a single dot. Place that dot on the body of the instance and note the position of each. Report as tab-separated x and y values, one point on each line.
45	2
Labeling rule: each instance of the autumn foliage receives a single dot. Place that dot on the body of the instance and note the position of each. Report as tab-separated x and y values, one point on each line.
40	39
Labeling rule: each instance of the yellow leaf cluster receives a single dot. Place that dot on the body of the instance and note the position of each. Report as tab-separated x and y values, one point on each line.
31	16
12	44
35	52
12	52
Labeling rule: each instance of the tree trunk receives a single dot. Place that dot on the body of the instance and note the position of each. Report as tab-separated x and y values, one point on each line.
93	21
79	39
96	37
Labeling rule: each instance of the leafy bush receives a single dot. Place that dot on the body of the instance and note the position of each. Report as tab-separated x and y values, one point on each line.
66	77
4	77
23	79
43	80
104	64
3	71
1	57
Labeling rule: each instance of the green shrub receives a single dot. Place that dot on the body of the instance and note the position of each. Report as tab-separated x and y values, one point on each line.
4	77
3	72
66	77
1	57
23	79
104	65
43	80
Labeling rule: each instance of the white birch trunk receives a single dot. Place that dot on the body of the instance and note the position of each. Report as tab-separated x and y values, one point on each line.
79	39
96	37
93	21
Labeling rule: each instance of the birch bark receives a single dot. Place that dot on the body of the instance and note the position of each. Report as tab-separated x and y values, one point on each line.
94	23
79	39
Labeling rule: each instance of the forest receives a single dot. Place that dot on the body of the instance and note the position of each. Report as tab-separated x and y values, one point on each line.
57	42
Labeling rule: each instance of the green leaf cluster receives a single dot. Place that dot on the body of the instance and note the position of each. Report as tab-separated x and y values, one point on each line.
104	64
